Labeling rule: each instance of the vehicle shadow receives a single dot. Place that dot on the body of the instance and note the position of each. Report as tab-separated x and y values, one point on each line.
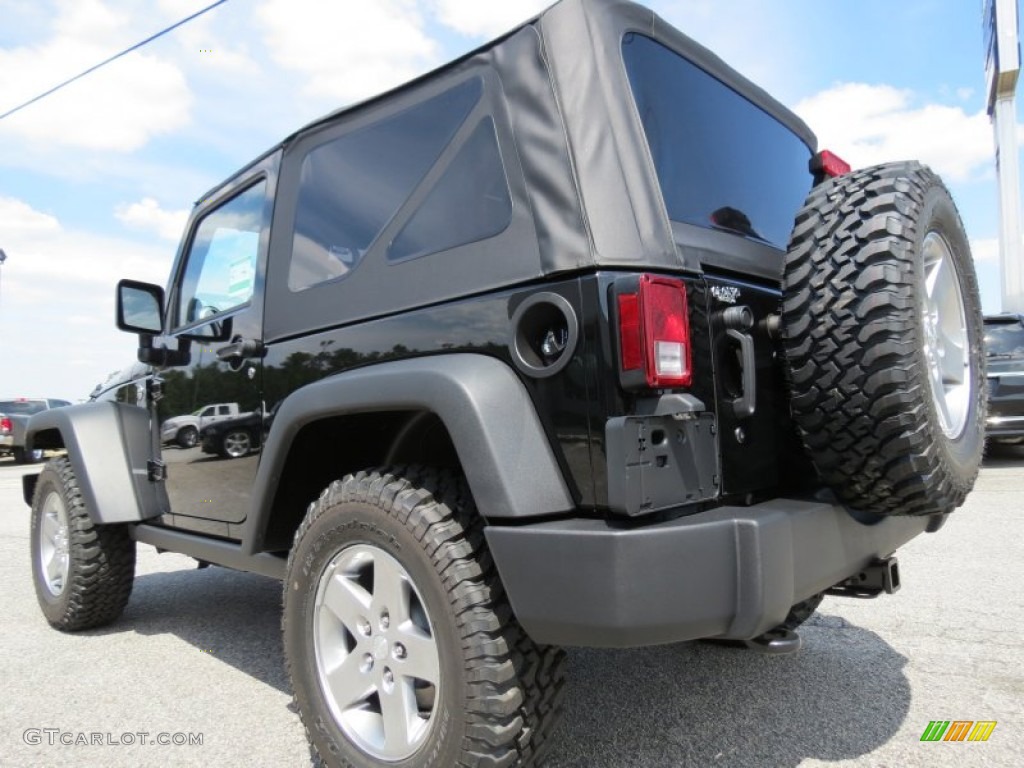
997	455
231	615
841	697
697	704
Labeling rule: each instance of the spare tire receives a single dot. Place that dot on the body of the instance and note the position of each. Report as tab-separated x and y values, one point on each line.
882	334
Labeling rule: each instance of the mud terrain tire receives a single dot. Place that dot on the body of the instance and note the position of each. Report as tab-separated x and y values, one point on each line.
83	572
485	694
882	334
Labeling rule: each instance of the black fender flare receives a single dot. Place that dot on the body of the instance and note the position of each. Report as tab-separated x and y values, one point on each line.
503	449
108	444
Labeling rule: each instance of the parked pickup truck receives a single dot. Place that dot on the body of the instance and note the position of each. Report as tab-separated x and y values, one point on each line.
184	430
6	436
14	415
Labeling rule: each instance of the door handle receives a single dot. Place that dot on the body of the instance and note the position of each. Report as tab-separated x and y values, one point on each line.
239	349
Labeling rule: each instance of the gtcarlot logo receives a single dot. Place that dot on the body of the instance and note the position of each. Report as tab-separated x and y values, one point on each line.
54	737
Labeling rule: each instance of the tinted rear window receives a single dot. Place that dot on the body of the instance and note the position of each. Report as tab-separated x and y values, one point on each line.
722	162
1002	339
25	407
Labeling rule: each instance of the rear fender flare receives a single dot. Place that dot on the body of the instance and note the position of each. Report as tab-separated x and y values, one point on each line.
502	447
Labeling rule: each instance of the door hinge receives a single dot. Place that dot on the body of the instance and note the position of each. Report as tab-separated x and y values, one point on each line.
155	389
156	470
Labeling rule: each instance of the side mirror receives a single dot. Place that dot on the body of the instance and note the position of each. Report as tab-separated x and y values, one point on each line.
140	307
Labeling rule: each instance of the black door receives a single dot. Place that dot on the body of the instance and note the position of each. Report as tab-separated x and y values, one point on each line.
218	290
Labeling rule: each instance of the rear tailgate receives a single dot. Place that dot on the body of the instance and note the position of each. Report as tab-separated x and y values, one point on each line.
759	448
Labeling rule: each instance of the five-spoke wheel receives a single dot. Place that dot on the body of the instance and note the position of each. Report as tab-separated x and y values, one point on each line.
946	346
376	656
53	543
236	443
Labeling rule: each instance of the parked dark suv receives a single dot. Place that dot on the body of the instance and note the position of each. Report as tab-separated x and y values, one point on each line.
1004	350
577	340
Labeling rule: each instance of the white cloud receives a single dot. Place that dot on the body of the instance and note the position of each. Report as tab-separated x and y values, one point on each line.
868	124
148	215
18	217
474	18
985	250
57	300
39	249
205	41
119	107
88	19
713	24
348	50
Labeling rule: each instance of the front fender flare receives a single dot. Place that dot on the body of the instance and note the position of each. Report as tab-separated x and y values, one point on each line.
108	445
502	447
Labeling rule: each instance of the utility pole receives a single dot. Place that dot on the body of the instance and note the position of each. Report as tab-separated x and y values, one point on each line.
1002	67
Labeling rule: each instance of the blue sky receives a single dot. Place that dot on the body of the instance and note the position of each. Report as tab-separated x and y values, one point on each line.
96	180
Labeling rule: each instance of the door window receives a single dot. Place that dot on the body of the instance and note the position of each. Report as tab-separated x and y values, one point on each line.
220	270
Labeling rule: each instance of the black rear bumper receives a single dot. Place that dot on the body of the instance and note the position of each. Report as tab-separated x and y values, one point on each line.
998	426
732	572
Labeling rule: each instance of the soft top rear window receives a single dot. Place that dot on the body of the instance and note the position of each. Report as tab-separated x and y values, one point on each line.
722	161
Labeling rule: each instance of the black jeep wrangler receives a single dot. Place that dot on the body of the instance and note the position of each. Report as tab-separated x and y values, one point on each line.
576	341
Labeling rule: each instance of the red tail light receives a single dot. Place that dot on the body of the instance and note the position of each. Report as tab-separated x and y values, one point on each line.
829	164
5	424
654	334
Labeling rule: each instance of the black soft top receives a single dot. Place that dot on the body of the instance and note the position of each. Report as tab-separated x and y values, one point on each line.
582	178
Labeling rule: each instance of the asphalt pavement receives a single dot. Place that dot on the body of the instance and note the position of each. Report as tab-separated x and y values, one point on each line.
196	661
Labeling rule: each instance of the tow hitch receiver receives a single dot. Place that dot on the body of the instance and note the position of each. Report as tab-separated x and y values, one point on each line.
881	576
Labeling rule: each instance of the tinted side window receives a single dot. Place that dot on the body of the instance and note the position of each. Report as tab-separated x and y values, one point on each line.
470	201
722	162
220	270
351	187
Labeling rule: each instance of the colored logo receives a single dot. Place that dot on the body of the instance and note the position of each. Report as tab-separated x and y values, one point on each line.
958	730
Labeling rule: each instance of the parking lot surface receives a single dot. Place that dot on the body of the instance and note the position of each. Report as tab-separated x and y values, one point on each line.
197	657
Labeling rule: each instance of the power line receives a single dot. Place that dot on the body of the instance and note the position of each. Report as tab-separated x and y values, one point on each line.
80	75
